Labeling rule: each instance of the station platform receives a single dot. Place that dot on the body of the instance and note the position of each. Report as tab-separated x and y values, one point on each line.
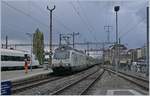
20	74
138	74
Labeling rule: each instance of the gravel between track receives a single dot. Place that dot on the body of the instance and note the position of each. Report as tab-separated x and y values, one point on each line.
49	87
79	87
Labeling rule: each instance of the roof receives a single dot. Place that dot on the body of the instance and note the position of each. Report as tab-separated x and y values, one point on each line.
119	45
130	50
68	48
13	52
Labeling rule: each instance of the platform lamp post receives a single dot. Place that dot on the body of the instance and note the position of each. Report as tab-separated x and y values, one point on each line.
116	9
50	42
31	36
147	57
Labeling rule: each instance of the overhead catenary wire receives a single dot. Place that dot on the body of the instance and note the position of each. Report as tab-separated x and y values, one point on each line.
26	14
83	20
66	27
127	24
88	21
56	19
132	28
33	18
36	6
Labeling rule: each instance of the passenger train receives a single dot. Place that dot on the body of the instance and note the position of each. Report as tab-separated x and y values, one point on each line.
67	59
14	59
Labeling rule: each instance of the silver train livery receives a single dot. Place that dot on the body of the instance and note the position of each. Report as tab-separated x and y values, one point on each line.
14	59
67	59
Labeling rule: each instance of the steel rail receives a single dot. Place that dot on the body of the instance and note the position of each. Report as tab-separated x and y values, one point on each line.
142	79
135	76
133	79
91	84
33	83
33	79
72	84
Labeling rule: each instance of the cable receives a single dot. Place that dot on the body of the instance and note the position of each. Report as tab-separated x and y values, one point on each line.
60	22
127	24
124	34
56	18
14	30
82	20
28	15
36	6
88	22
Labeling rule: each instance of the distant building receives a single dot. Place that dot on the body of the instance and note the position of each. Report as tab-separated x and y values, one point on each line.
137	54
110	53
132	53
143	52
126	57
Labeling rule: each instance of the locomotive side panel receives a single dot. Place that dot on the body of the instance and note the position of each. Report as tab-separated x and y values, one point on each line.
78	61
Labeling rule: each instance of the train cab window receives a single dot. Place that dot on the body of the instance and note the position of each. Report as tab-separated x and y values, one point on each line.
61	55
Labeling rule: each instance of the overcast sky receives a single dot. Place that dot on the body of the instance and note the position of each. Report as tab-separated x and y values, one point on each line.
88	17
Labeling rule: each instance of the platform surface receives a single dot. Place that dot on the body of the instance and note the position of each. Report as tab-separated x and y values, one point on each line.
18	74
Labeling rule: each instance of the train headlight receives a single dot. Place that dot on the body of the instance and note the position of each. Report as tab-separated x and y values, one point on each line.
55	65
66	64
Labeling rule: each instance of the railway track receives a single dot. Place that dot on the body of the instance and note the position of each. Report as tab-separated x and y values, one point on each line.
143	83
140	78
19	86
76	84
80	86
51	83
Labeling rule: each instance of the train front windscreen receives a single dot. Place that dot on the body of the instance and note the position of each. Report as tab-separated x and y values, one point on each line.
59	54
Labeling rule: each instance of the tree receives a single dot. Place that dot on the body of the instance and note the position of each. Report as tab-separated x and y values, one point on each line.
38	45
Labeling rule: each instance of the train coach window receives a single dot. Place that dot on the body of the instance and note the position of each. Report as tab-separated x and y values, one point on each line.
20	58
11	58
2	58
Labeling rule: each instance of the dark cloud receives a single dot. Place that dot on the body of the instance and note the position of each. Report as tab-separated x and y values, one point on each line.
86	17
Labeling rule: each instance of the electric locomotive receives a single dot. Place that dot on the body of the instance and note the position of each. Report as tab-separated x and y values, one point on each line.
67	59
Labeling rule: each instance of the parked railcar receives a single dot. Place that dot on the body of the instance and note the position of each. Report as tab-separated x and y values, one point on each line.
67	59
14	59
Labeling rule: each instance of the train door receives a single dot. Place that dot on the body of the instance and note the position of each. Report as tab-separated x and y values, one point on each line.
74	59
